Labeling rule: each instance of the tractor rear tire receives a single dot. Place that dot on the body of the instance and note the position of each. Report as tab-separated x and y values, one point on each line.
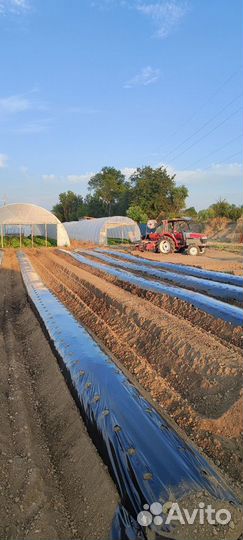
165	246
193	250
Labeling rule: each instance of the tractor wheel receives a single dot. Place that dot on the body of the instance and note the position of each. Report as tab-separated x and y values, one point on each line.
165	246
193	250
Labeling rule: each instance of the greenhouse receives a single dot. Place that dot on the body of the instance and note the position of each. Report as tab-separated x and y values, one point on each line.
29	221
104	230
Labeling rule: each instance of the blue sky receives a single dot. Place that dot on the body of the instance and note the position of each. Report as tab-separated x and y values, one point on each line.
89	83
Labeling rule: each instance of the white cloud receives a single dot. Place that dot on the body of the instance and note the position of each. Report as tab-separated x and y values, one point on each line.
19	103
79	178
165	14
13	6
14	104
215	173
128	171
24	169
48	177
3	161
146	76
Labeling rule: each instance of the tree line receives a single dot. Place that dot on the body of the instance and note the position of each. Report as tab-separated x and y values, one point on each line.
220	209
148	194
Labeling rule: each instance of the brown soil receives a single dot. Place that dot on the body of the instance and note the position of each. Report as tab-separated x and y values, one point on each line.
219	261
224	230
222	330
193	376
53	484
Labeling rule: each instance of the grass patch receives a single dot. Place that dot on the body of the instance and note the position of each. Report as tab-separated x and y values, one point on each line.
26	241
116	241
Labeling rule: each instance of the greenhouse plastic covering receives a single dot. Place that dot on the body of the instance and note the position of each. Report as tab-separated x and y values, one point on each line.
146	456
181	268
99	230
31	214
213	288
217	308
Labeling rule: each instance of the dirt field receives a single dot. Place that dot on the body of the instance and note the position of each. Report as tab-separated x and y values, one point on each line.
189	364
214	259
53	484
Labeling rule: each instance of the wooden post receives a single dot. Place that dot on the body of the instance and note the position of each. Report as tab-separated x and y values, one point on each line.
2	235
32	235
46	233
20	239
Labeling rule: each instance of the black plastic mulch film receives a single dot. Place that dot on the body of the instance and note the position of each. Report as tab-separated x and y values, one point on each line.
213	288
180	268
217	308
146	457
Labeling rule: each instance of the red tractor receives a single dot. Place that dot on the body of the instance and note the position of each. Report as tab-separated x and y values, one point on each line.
173	235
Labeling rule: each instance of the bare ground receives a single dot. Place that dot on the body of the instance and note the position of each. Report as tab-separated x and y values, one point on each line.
194	376
53	484
213	259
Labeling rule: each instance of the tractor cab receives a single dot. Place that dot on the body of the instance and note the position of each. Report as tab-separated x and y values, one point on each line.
178	227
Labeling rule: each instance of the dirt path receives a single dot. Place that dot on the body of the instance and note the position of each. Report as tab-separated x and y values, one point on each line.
53	483
214	259
196	381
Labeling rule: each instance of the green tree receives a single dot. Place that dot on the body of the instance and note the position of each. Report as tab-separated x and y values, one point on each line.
178	198
57	210
108	185
124	200
155	191
205	215
93	206
235	212
70	207
223	208
190	212
136	213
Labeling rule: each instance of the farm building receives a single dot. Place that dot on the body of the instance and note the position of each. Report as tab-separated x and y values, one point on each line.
100	230
31	220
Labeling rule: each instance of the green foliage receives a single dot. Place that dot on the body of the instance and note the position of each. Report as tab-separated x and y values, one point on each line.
155	191
58	211
136	213
70	207
221	209
224	209
124	201
26	241
115	241
190	212
108	185
148	194
205	215
152	191
235	212
94	206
